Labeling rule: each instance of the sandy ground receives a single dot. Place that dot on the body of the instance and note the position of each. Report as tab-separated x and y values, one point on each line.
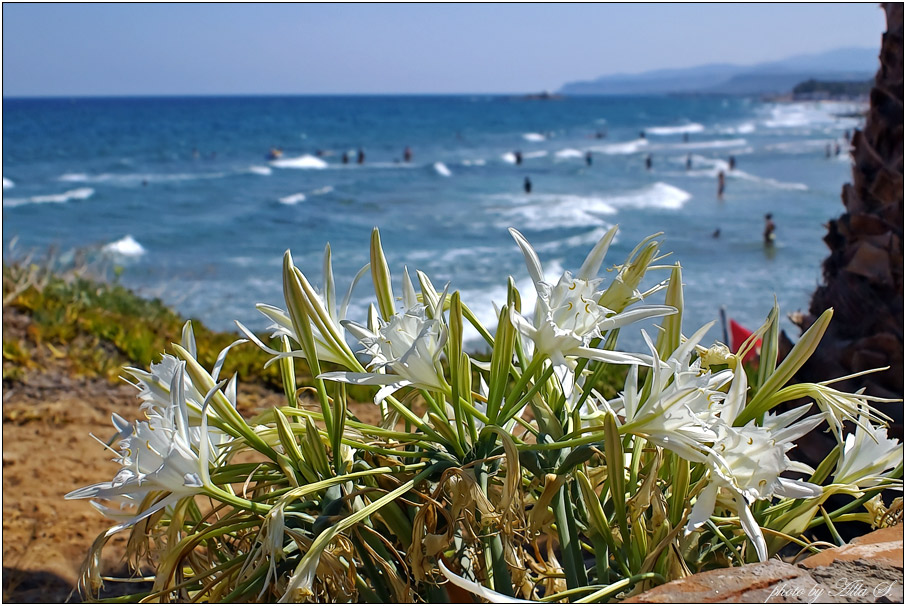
47	452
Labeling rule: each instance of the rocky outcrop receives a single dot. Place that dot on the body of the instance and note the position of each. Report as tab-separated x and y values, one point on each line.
869	570
863	276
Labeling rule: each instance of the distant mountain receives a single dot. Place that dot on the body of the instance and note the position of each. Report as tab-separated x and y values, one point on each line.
774	77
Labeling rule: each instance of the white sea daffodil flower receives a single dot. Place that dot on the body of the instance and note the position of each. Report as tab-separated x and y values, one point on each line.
160	454
867	454
568	316
681	410
747	462
328	316
405	350
155	386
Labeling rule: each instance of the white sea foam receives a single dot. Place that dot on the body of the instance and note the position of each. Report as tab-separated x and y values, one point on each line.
441	169
82	193
551	211
7	184
534	137
305	161
627	147
710	144
693	127
584	240
712	166
509	157
127	247
136	178
292	199
813	115
657	195
569	153
534	154
322	190
478	162
261	170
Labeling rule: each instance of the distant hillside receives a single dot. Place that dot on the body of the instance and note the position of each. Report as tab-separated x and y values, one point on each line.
774	77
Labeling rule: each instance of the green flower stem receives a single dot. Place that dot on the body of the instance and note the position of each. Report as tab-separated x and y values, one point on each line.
568	443
225	497
611	590
679	495
573	565
373	574
602	557
510	408
725	541
523	380
473	320
500	573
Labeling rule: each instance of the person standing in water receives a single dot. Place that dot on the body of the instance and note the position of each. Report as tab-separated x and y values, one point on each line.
588	158
769	228
721	185
685	137
527	185
648	162
345	157
689	162
518	155
361	156
732	162
407	154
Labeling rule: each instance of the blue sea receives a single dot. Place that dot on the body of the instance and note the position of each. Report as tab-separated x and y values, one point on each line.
180	193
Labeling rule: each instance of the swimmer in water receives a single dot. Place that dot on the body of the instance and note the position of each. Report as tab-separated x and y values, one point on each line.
518	155
527	185
732	162
588	158
689	162
721	185
407	154
361	157
769	228
648	162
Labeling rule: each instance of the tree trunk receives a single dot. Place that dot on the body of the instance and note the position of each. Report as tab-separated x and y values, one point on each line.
863	276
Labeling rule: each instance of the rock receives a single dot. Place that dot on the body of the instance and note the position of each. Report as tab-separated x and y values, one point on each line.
869	570
765	582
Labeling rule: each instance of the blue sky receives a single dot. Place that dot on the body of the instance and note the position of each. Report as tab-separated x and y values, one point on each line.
135	49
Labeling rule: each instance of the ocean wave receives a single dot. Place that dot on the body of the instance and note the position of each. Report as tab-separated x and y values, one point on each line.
510	157
292	199
264	171
82	193
534	137
441	169
713	166
584	240
693	127
658	195
7	184
135	178
569	153
616	149
126	246
746	128
305	161
709	144
811	115
322	190
478	162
